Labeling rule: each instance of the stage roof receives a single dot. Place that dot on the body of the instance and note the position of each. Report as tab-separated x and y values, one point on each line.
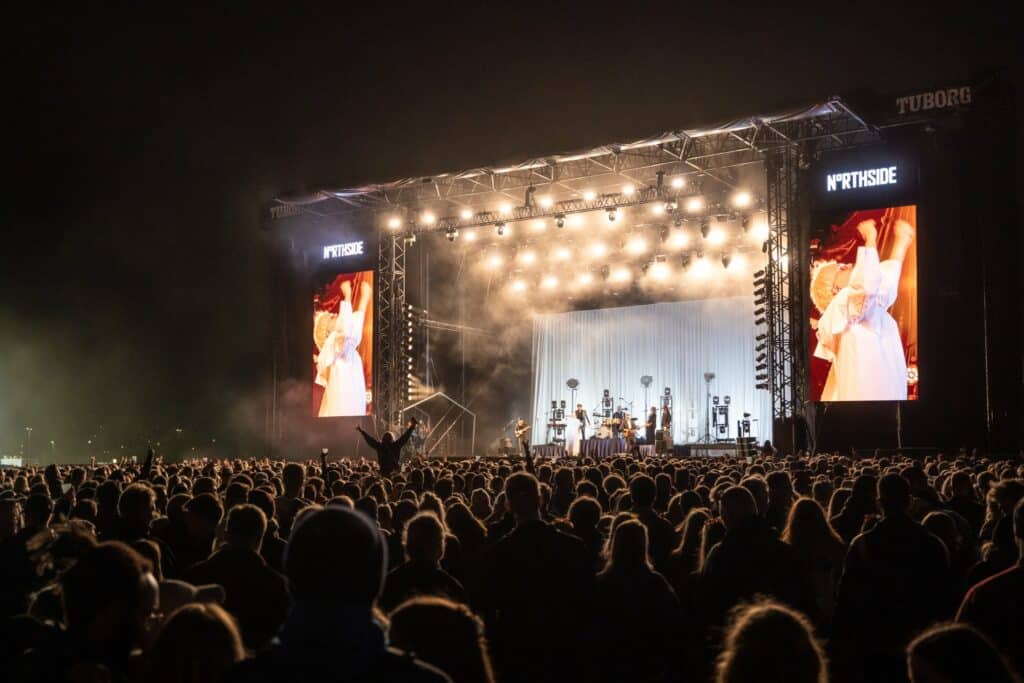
718	153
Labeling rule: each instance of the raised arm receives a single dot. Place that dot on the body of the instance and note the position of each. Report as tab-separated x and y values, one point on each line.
529	457
373	443
404	438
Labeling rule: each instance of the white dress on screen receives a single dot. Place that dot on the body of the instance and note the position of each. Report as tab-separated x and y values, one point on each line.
572	436
859	337
340	367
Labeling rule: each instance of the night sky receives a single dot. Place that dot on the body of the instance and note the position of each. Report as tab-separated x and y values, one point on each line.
134	270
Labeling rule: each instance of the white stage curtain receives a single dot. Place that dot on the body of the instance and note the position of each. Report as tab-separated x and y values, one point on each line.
674	343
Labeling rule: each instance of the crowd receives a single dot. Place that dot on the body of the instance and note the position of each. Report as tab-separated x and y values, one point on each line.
670	569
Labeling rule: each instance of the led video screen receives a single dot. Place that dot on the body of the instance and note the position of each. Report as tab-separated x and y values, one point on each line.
863	311
343	345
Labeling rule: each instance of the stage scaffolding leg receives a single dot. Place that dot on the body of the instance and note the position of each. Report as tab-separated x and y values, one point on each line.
391	368
785	296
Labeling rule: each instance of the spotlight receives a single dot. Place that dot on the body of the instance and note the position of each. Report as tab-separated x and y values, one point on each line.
494	261
741	199
585	278
429	218
761	337
505	208
500	228
760	230
549	282
759	274
759	310
628	190
716	236
546	202
701	268
451	234
764	247
528	257
518	285
761	386
469	236
671	205
726	260
658	208
598	249
678	222
394	222
759	321
539	225
678	239
575	220
704	228
560	220
562	254
636	245
694	205
761	357
659	270
678	182
761	377
612	214
466	214
589	196
620	275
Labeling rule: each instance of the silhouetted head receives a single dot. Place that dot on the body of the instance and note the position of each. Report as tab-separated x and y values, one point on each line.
738	507
387	438
767	641
893	495
955	653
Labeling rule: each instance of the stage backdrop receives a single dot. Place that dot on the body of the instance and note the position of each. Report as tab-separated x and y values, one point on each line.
674	343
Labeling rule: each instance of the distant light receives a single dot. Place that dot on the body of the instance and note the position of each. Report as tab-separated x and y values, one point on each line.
469	236
694	205
494	261
678	182
518	285
549	282
658	208
546	202
589	196
528	257
636	245
678	239
659	270
598	249
716	236
394	222
575	220
429	218
562	254
620	275
741	199
505	208
759	230
466	214
784	261
540	224
700	268
629	190
737	263
585	278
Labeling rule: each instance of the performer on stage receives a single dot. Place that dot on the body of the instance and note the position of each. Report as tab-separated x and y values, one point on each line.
651	425
522	430
581	417
617	419
666	418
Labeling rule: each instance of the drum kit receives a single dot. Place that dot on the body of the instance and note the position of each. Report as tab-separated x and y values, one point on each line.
620	423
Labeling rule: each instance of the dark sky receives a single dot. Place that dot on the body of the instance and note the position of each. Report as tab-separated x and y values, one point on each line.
134	271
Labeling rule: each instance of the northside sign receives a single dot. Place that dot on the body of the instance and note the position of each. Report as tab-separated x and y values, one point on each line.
856	180
346	249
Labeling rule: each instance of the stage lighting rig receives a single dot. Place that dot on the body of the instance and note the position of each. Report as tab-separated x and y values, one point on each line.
409	238
560	220
759	321
451	233
726	260
761	337
528	198
671	205
761	357
612	214
499	227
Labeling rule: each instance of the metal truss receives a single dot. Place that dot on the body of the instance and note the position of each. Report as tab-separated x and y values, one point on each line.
392	346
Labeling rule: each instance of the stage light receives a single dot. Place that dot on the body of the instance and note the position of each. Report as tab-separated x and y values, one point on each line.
560	220
678	182
759	230
678	239
585	278
658	208
428	218
761	357
546	202
759	310
494	261
518	285
726	260
505	208
528	257
737	263
701	268
716	236
500	228
759	321
704	228
612	214
742	199
451	234
410	238
659	270
549	282
575	220
761	337
598	249
394	222
629	190
620	275
636	245
562	254
761	386
589	196
466	214
671	205
469	236
764	247
540	225
694	205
